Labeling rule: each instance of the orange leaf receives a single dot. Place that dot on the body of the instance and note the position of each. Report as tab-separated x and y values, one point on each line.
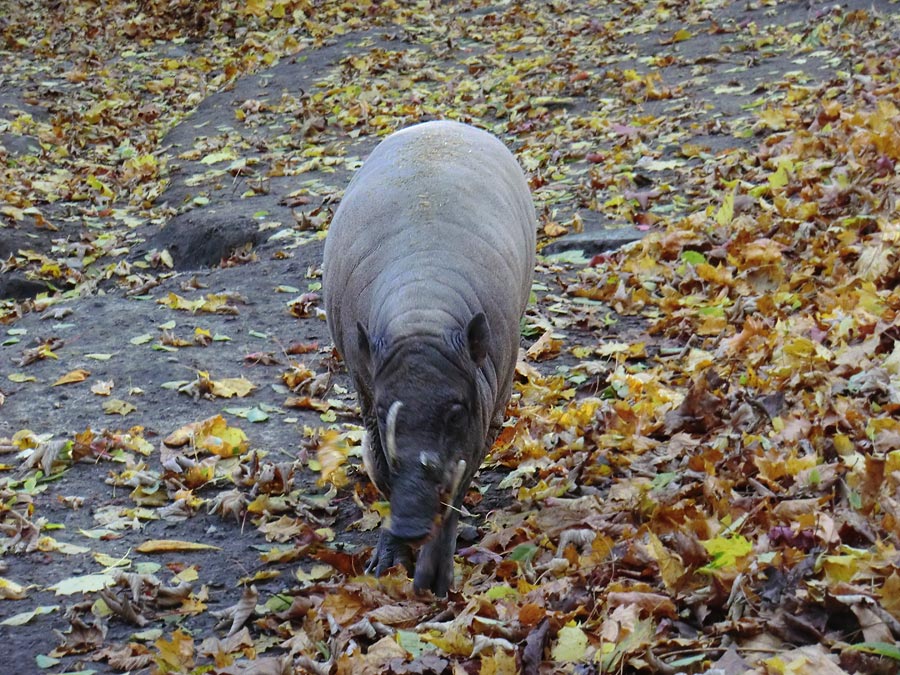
170	545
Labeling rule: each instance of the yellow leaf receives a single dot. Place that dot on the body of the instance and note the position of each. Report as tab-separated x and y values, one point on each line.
100	186
890	594
21	377
110	560
117	406
87	583
212	434
498	662
231	386
10	590
571	644
718	274
453	641
725	551
671	567
762	251
554	229
773	119
24	617
188	574
782	174
225	442
876	261
315	573
170	545
332	455
176	301
166	258
842	444
78	375
712	325
177	654
725	214
13	212
224	155
255	7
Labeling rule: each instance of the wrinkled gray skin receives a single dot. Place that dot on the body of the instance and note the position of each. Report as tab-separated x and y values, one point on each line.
428	267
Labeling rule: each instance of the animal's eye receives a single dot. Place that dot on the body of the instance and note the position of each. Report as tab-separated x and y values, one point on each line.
456	415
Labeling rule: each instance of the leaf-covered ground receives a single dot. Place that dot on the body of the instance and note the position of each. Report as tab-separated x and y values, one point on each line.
701	468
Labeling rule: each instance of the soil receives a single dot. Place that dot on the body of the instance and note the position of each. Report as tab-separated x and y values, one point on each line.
262	279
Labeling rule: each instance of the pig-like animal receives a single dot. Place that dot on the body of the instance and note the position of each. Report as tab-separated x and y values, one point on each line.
427	271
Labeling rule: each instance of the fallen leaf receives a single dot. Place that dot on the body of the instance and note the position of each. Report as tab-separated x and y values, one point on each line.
10	590
117	406
25	617
571	644
172	545
87	583
78	375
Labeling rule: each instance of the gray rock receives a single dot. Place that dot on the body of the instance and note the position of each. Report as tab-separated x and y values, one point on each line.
202	237
595	241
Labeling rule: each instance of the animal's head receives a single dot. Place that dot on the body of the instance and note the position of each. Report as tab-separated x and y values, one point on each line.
431	420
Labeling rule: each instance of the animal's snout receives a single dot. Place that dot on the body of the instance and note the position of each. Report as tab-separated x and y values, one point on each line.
414	506
412	531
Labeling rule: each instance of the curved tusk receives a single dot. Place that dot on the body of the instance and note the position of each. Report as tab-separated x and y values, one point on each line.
457	479
390	425
454	486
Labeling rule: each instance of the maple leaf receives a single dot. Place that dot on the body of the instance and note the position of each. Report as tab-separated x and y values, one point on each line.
175	654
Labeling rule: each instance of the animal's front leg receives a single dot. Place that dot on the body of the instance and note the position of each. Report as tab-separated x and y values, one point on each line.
388	552
434	566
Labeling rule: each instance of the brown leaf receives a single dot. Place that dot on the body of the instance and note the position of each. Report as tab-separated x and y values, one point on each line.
239	612
81	638
221	650
653	604
406	615
701	411
129	657
297	348
547	347
45	350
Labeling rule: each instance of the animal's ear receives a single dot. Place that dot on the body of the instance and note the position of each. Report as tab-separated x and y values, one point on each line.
478	335
363	343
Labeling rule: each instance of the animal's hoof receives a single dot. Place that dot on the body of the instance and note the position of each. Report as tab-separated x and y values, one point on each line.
389	552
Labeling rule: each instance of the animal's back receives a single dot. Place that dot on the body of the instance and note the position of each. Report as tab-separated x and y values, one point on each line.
436	226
